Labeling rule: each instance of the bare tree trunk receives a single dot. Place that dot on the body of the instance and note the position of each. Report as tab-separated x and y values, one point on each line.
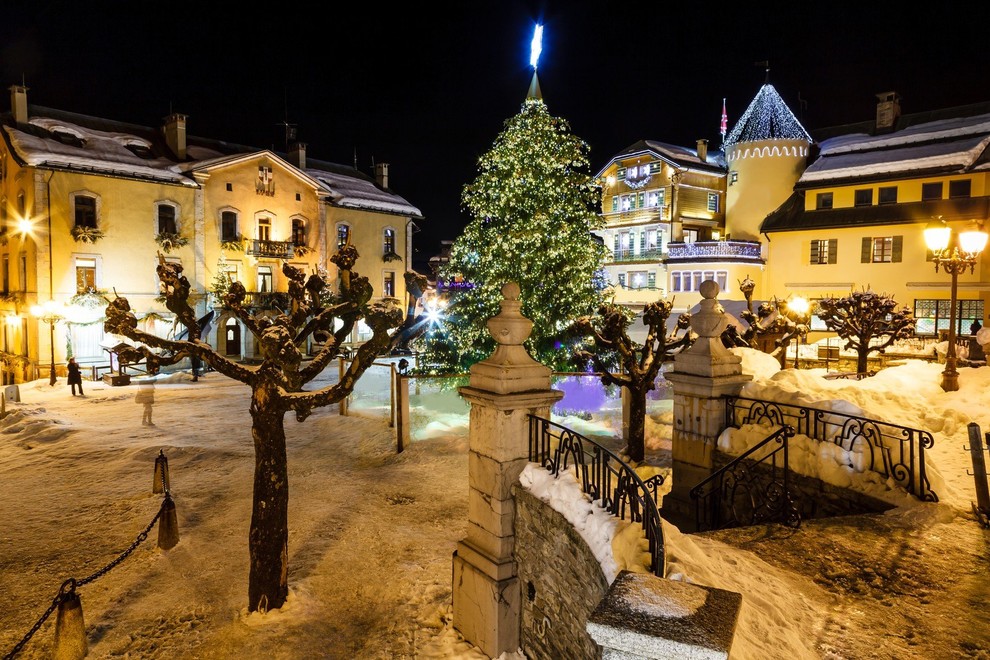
636	442
862	360
269	536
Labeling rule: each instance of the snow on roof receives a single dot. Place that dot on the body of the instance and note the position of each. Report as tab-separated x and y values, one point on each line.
767	118
678	155
356	192
92	151
956	143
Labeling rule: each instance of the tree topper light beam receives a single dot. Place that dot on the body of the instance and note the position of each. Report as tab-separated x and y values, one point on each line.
536	47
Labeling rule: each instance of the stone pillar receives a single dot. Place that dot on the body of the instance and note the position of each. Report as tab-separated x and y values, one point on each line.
702	374
503	391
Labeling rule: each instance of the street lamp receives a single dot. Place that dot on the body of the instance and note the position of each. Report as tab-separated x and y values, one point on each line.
48	312
955	259
799	307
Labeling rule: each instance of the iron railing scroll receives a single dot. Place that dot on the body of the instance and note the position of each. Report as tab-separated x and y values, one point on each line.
750	490
605	477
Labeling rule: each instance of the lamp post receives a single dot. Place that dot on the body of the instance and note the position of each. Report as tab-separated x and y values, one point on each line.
954	259
48	313
798	306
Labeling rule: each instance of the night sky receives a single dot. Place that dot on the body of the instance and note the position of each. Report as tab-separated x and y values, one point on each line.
428	90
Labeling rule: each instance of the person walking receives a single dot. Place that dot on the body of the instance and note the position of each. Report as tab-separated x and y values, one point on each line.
75	377
146	397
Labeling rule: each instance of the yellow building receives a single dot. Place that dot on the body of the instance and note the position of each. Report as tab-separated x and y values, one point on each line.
856	217
658	199
87	204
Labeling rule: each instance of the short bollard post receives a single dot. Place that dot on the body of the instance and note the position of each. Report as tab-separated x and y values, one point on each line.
160	484
168	525
70	629
982	505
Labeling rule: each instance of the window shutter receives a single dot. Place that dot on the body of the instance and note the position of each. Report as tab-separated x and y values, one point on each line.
616	244
642	241
814	252
867	255
897	249
833	250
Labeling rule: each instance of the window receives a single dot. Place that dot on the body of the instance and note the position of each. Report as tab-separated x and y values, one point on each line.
959	188
67	137
713	202
628	202
691	280
6	273
653	199
264	229
388	283
166	219
265	280
343	235
887	195
637	279
690	236
140	150
823	201
883	249
622	279
650	245
933	315
615	203
863	197
230	187
651	280
231	270
733	177
22	271
21	204
298	232
298	197
388	246
85	207
228	226
823	251
85	274
3	215
675	281
930	191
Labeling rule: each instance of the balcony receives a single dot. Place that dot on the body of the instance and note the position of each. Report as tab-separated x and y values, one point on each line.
629	254
270	249
701	251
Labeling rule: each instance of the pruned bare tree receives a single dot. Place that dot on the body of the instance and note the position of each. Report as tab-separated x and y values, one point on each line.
869	322
277	384
640	363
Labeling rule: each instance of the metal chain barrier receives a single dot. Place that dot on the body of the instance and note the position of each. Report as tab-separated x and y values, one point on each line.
68	587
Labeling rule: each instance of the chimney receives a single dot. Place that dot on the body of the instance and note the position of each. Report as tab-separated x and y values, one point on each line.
19	104
175	134
381	174
297	154
888	111
703	150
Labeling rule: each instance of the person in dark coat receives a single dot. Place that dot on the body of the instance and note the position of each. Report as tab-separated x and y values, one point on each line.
75	377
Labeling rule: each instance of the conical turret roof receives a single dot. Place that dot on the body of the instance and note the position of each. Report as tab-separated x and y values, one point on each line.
767	118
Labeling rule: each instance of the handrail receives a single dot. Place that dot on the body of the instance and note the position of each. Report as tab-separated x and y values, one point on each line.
894	451
630	495
738	495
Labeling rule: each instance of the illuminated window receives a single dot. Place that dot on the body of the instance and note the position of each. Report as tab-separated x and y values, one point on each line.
265	279
228	226
166	219
389	241
22	271
713	202
264	229
882	249
85	274
622	279
388	283
85	208
823	251
343	235
6	273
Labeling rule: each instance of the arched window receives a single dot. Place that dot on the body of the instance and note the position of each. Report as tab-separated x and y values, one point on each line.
389	241
343	235
166	219
85	211
228	226
298	232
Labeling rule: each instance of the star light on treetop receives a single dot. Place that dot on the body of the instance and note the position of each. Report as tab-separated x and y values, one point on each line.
536	46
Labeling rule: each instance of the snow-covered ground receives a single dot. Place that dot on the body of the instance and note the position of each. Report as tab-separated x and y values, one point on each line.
372	530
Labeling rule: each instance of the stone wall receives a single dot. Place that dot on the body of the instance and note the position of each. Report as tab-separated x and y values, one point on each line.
561	583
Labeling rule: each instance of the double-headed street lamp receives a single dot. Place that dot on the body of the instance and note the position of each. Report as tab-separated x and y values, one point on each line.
49	313
954	259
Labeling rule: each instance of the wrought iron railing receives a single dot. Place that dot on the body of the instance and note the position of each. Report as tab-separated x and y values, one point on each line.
894	451
270	249
714	250
604	477
749	490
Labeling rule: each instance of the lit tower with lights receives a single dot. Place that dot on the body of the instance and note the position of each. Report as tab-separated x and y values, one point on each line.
766	152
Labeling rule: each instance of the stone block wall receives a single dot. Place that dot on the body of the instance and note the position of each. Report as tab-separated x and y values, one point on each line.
561	582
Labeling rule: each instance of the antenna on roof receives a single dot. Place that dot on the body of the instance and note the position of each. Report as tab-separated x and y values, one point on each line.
766	64
290	129
355	157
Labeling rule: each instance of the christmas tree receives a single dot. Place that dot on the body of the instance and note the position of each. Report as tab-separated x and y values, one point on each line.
533	206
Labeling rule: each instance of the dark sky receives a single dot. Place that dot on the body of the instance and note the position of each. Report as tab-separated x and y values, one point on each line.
428	90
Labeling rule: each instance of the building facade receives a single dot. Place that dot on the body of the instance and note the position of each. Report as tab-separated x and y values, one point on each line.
87	206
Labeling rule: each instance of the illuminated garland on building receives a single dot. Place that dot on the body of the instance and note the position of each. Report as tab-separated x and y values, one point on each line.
767	118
